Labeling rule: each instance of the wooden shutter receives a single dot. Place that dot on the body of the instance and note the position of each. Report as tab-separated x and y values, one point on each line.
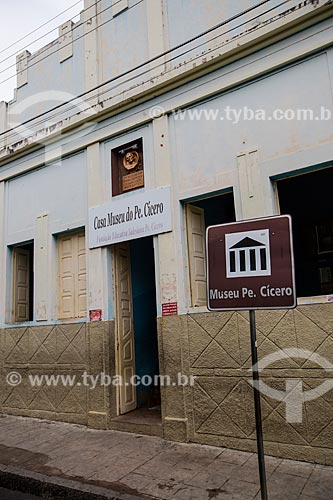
21	284
195	222
125	332
72	276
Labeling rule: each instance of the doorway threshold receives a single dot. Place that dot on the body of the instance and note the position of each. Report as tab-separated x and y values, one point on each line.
146	421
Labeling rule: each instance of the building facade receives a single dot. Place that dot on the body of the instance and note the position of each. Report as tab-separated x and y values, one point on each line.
144	123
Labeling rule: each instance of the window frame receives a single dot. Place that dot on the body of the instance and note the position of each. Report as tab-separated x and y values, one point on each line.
275	179
192	201
13	318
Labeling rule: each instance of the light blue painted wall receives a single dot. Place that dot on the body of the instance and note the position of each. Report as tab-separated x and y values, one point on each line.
50	83
123	39
60	190
204	149
186	19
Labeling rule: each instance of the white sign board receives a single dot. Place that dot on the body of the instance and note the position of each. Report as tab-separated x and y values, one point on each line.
135	216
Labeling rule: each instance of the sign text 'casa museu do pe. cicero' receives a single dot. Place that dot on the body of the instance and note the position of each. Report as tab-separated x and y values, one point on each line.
250	265
134	216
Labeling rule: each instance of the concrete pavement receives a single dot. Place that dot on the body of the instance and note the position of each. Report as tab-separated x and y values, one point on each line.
111	464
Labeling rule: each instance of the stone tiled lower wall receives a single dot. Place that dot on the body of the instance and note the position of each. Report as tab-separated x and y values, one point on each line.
218	409
215	348
66	349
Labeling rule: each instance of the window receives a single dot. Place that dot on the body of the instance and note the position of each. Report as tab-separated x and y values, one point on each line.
72	296
308	199
199	215
23	281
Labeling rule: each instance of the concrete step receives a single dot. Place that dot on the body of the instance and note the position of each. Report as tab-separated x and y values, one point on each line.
140	421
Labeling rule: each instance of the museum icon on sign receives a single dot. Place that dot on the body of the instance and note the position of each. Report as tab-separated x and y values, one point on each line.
248	254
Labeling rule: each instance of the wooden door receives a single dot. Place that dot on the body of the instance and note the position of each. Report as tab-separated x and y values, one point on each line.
125	332
21	289
195	224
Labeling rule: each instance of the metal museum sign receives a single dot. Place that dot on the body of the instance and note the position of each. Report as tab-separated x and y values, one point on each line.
251	265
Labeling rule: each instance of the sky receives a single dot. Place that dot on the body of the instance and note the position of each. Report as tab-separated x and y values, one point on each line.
20	17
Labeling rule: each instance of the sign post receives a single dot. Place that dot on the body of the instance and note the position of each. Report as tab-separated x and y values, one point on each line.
250	265
257	408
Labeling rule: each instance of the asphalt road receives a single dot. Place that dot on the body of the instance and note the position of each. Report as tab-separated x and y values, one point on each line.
16	495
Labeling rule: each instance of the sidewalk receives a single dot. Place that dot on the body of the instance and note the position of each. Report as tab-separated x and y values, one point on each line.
121	465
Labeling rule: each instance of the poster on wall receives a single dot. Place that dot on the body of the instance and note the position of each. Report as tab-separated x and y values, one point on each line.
135	216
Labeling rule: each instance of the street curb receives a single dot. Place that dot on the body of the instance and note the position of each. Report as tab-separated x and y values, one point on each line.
54	488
